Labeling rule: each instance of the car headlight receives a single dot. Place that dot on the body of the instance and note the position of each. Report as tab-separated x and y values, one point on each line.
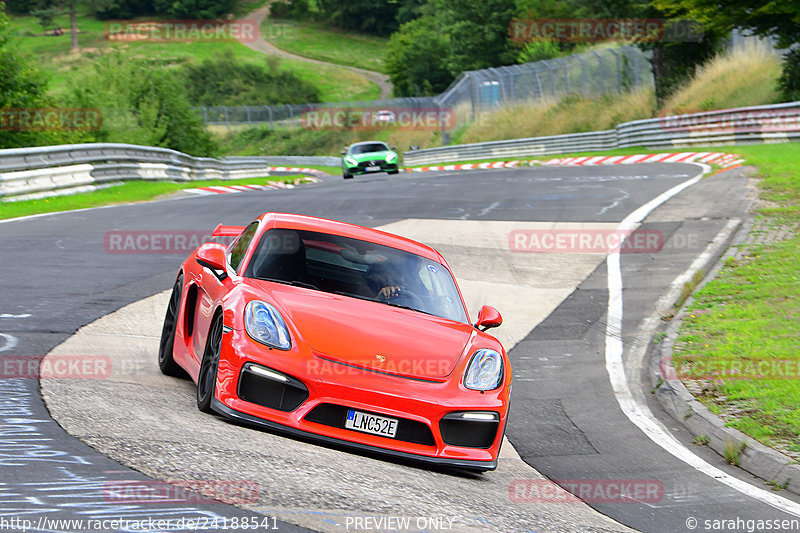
350	161
391	157
485	370
265	324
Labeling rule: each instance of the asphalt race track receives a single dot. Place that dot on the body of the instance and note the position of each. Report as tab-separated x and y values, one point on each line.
567	423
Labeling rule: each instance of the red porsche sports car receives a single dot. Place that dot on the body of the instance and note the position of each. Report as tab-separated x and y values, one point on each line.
343	334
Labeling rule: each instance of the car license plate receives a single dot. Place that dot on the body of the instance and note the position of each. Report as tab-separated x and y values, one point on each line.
373	167
377	425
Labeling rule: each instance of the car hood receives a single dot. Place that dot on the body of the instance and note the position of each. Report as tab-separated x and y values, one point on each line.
369	156
370	334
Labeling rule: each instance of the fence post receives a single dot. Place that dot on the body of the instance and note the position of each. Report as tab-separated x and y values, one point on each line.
619	70
602	72
566	79
445	134
539	85
583	72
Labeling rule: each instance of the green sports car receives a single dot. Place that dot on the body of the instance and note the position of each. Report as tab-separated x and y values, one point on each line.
368	156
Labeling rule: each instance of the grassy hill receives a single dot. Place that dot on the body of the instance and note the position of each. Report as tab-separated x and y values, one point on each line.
54	57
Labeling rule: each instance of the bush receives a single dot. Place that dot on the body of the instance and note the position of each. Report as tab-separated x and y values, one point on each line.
789	82
177	9
416	59
223	81
24	87
141	104
290	9
538	51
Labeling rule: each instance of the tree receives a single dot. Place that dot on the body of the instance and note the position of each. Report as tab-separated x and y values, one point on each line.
477	32
22	87
47	10
449	37
763	17
141	104
194	9
416	59
378	17
767	18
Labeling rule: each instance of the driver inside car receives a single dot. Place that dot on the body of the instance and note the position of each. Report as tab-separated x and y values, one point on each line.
389	279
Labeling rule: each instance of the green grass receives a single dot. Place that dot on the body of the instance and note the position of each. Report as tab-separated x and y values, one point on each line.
317	41
54	57
749	315
132	191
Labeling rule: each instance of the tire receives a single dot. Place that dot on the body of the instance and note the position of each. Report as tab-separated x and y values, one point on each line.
207	378
166	362
347	175
393	172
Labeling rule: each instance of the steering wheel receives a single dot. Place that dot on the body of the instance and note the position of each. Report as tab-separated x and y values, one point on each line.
408	299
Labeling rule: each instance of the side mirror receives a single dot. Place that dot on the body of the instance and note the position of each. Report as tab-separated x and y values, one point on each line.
394	147
212	256
343	152
488	318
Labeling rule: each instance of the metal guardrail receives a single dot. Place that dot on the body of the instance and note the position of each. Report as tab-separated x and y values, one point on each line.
39	172
757	124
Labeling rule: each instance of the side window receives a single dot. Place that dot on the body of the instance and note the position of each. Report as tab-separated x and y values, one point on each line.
239	248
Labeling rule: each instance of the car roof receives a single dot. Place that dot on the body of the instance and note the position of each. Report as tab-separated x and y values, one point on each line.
322	225
368	142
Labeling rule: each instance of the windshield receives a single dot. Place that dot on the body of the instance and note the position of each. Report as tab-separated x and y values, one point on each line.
367	148
357	269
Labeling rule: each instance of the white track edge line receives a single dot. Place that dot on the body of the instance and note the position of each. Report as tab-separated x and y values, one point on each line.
635	412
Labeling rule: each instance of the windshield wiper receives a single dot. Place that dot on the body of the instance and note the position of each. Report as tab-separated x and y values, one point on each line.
353	295
295	283
401	306
393	304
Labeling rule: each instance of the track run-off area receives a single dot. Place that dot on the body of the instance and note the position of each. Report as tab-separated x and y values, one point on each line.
533	242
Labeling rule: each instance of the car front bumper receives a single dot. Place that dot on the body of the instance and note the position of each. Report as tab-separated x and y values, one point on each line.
424	408
362	168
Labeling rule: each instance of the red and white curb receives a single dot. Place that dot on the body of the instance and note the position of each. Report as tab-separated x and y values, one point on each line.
726	161
227	189
302	170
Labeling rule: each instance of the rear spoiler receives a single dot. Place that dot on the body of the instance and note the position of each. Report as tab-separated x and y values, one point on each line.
227	231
